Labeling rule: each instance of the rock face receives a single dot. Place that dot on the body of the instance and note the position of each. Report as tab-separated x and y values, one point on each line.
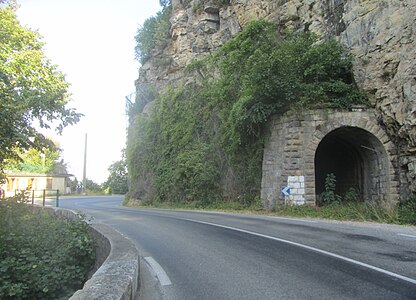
380	34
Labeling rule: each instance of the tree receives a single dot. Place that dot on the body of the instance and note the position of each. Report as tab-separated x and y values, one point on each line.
33	93
34	161
10	3
153	36
43	161
117	181
164	3
93	186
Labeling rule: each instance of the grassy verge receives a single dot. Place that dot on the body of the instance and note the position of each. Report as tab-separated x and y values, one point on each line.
342	211
41	257
348	211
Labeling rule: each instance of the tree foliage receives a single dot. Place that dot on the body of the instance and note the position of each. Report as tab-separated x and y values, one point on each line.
204	142
164	3
32	90
44	161
153	36
35	161
92	186
266	73
118	178
41	257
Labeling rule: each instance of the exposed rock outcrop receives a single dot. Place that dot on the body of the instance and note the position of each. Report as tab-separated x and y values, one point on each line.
380	34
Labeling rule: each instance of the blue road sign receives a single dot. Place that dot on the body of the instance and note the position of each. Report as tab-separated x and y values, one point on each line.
285	191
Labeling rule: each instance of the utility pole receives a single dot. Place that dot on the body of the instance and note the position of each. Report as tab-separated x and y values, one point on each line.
84	178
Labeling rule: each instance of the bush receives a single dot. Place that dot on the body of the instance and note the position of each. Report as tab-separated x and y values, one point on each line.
329	196
204	141
407	211
153	36
351	195
41	257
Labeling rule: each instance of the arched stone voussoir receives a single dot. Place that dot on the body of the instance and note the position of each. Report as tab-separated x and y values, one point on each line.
356	135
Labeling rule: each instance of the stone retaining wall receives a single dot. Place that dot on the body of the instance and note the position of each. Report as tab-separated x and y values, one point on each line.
116	271
118	276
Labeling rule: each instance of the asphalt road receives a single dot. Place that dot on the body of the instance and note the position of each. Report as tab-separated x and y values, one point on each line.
198	255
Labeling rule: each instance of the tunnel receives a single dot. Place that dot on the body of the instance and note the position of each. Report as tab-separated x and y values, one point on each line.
357	159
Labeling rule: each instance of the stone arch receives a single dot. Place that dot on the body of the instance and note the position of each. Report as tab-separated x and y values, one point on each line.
357	159
295	139
359	153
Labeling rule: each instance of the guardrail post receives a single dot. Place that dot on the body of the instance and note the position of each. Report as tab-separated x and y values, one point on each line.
57	198
44	197
33	197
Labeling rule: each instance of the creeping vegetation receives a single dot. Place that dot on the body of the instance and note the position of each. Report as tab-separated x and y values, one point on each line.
204	142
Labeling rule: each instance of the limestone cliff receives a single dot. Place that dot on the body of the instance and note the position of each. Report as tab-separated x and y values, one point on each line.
379	33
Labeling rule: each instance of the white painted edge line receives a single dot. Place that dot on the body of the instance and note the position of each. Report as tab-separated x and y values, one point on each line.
249	216
407	235
292	219
350	260
160	273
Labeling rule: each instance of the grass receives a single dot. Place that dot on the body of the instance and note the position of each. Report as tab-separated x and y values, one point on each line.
195	205
342	211
404	214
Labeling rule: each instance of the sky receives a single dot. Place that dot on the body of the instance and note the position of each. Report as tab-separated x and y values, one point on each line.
92	42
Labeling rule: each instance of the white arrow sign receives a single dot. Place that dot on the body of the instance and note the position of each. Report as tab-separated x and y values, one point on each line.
286	191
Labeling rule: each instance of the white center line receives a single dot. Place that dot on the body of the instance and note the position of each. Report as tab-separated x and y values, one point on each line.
407	235
160	273
350	260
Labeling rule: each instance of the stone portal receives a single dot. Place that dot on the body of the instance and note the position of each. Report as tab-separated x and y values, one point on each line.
303	149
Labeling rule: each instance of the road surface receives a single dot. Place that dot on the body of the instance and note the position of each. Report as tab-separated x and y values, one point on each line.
199	255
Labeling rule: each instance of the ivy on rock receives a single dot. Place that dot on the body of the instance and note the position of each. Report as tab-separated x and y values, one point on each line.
203	142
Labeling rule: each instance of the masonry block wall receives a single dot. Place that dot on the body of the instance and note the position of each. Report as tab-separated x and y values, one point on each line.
291	160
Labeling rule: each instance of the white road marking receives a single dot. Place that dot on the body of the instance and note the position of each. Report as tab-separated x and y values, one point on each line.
160	273
407	235
293	219
350	260
270	217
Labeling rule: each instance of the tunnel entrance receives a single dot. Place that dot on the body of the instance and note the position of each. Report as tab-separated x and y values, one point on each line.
357	159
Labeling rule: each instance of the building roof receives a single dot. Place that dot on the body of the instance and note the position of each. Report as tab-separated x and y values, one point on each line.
27	174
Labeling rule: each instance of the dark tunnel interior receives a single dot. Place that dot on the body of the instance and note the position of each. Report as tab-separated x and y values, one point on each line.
356	158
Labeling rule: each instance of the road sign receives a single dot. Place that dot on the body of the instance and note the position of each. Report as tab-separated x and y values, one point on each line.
285	191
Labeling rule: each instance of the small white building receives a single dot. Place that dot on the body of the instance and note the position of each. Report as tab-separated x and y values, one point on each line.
16	182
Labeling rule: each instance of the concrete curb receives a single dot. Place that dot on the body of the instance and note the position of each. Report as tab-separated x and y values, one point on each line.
118	276
117	264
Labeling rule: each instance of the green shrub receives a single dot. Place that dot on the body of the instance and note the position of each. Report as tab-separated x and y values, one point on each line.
329	196
351	195
204	141
153	36
407	211
41	257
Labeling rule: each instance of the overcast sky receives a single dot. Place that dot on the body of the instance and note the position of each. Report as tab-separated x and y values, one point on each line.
92	42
